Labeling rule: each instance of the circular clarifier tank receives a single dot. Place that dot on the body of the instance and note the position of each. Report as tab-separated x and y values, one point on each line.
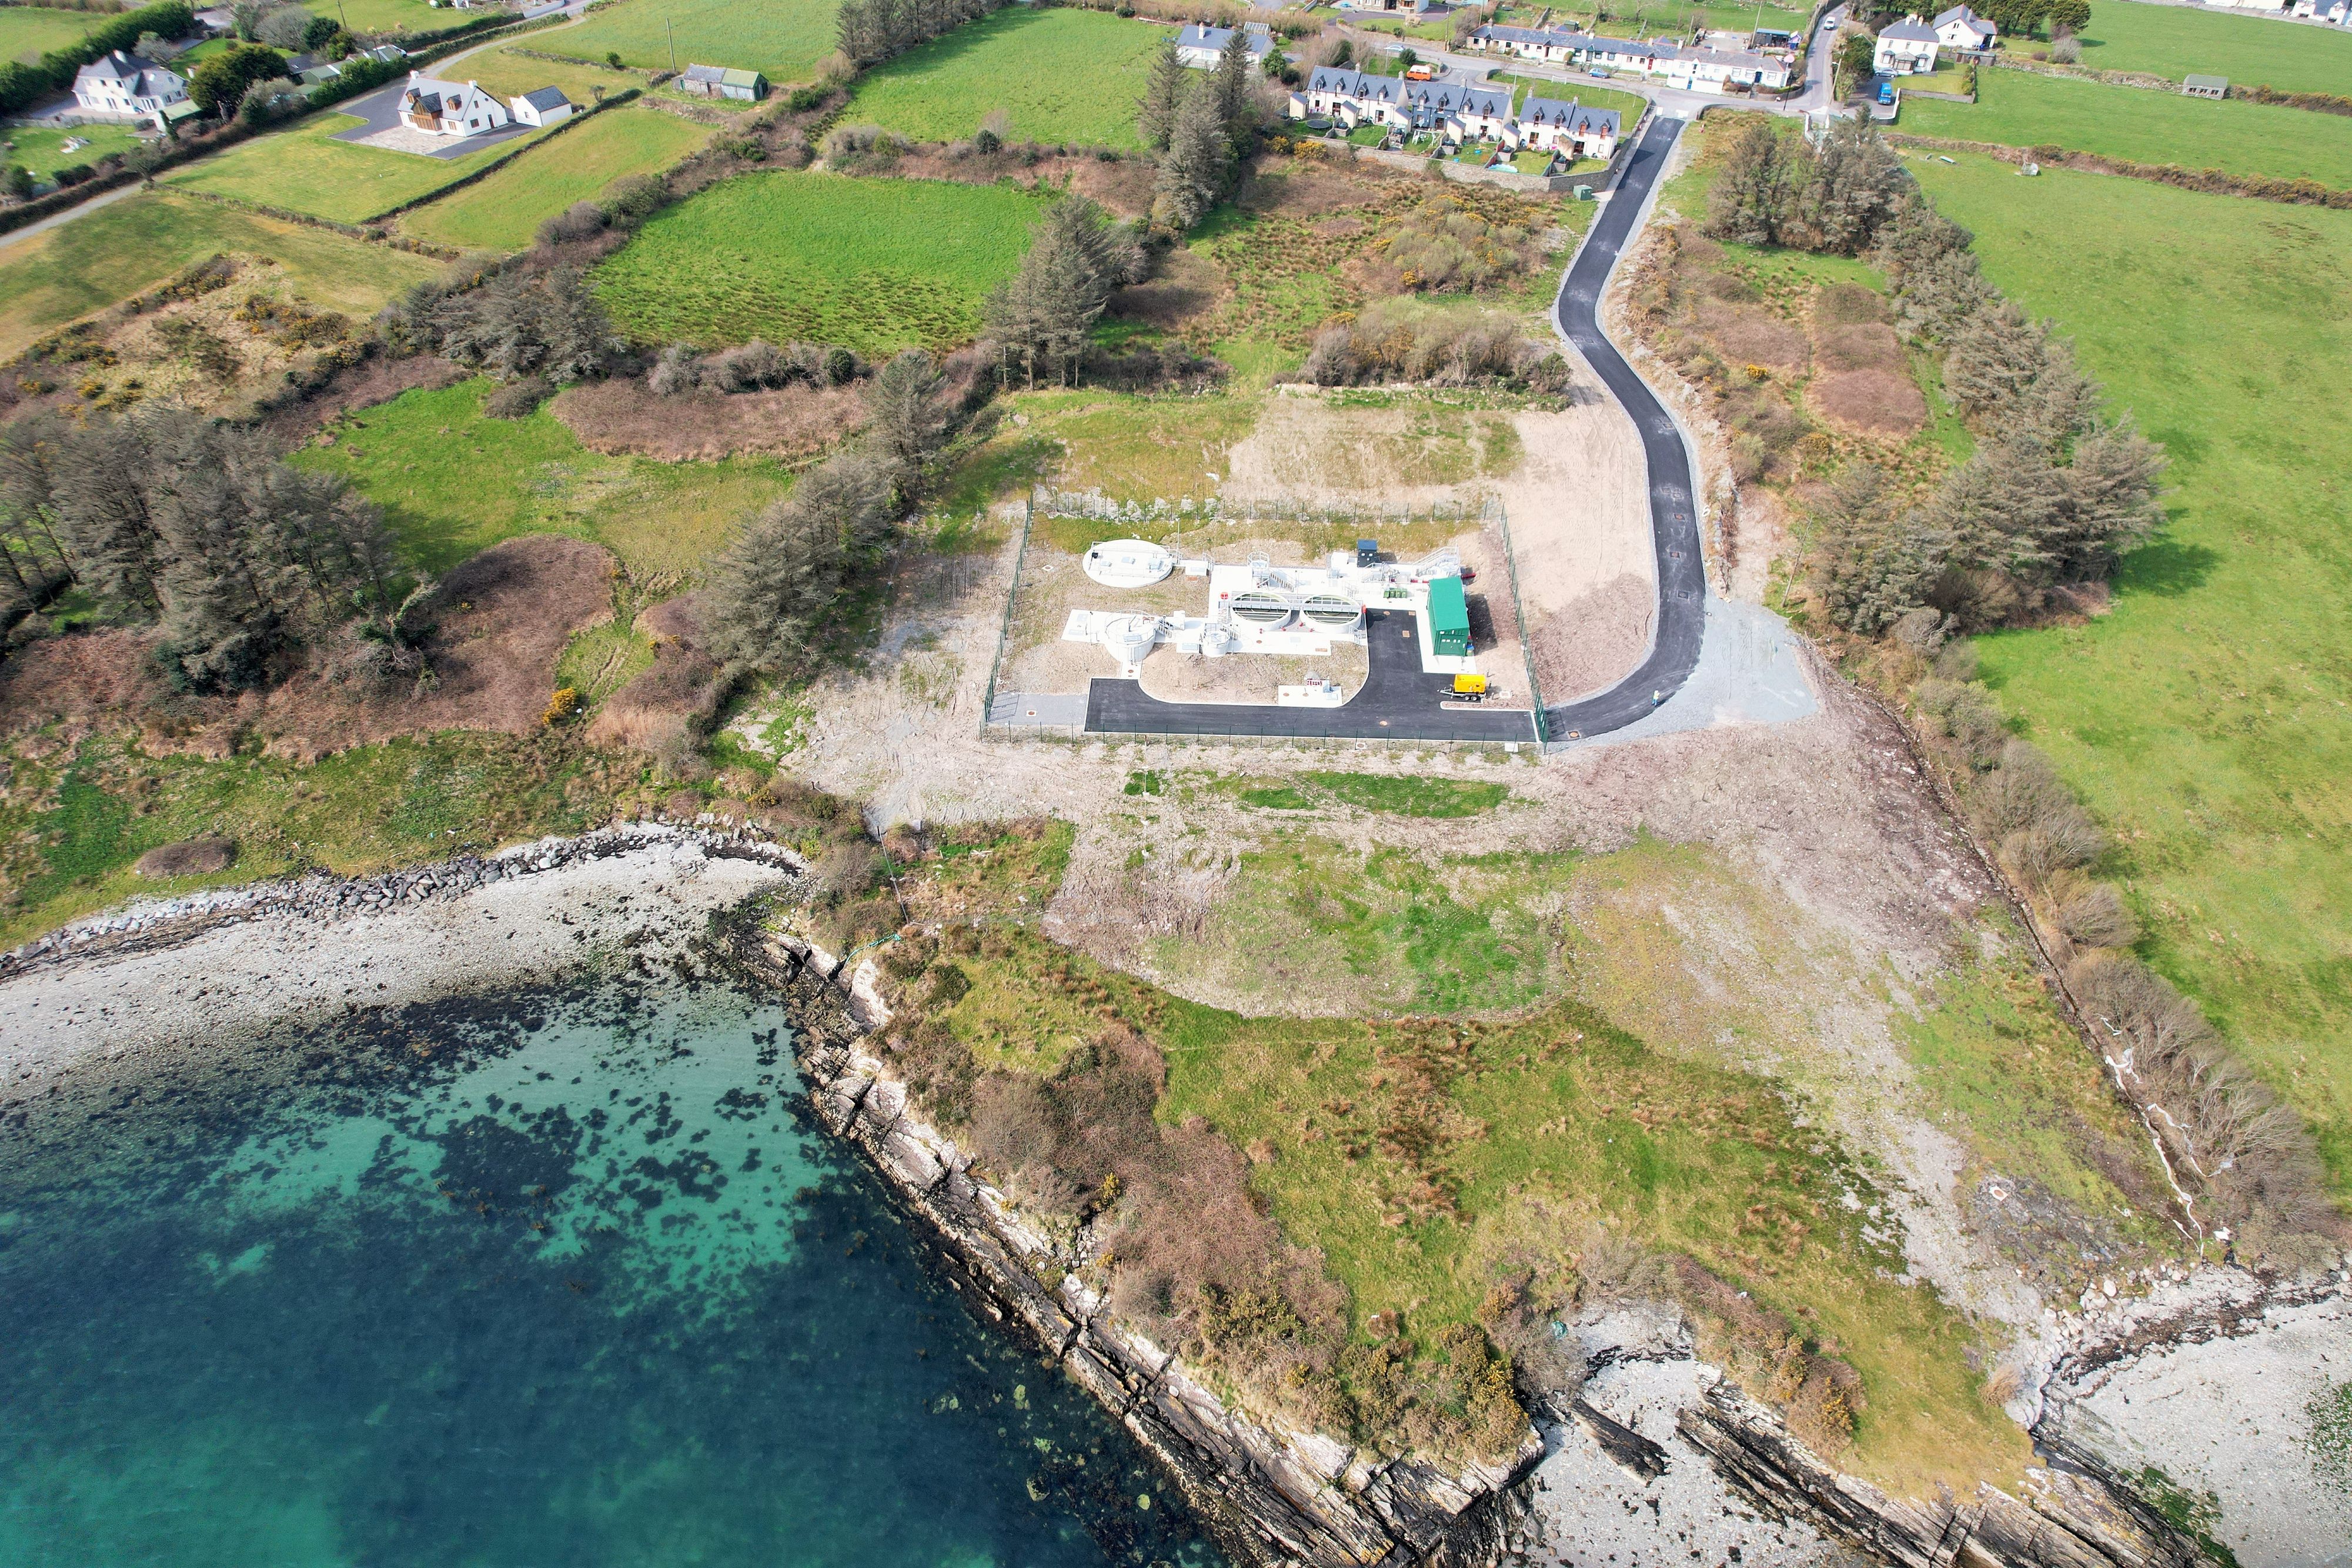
1330	613
1263	610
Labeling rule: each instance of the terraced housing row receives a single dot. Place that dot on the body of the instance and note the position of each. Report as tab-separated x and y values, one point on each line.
1687	67
1457	111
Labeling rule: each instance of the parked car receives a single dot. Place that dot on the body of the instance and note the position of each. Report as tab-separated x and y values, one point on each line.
1886	92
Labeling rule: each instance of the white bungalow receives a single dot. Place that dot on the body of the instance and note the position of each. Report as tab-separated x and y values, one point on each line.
548	106
449	109
1962	29
1553	45
1905	48
1201	48
123	85
1716	70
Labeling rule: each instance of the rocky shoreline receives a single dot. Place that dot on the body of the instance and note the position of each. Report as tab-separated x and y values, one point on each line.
155	924
1279	1497
1271	1497
106	986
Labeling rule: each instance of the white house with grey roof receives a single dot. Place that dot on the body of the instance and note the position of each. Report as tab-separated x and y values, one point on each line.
1200	47
440	108
121	86
548	106
1905	48
1961	28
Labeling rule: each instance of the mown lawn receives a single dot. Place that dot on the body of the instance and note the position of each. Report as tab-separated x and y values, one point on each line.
305	169
503	211
453	482
111	254
2174	40
507	72
28	32
2207	717
2020	110
1628	105
783	39
391	16
42	151
1059	75
877	265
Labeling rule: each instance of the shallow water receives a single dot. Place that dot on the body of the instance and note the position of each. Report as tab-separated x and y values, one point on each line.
554	1277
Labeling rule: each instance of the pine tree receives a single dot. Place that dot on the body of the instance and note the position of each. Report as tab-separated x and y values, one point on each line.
1872	565
1751	197
1854	187
1193	170
2111	501
777	591
1163	94
1075	260
904	423
1995	356
1231	79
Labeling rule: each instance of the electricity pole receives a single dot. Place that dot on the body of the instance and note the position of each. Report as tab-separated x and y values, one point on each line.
671	28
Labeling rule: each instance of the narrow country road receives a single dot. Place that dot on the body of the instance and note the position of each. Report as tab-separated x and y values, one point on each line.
1674	511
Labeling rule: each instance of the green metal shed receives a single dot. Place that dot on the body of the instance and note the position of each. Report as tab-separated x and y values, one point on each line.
1449	618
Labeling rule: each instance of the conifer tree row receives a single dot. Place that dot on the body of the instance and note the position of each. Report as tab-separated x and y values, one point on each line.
166	518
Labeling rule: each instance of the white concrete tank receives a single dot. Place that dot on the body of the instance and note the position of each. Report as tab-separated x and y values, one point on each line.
1128	563
1330	613
1266	610
1217	640
1129	637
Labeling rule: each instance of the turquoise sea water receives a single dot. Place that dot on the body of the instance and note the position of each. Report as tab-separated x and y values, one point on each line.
555	1278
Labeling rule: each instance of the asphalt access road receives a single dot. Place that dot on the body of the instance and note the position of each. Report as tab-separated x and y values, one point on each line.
1674	515
1398	701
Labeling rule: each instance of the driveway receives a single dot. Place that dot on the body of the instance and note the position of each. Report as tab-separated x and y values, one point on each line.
1674	511
379	112
1398	701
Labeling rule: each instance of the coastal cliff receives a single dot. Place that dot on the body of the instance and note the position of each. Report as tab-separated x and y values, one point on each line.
1282	1497
1271	1497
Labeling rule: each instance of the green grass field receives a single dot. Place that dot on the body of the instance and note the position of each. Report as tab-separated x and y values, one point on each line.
82	814
2019	110
1059	75
879	265
1628	105
2207	717
28	32
503	211
390	15
305	169
784	38
110	254
40	151
2173	40
508	73
453	483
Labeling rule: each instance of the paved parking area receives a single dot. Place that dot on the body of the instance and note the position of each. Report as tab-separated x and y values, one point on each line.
1398	701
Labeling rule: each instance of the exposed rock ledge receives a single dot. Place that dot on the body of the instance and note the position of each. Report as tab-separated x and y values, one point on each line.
1272	1496
1276	1496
